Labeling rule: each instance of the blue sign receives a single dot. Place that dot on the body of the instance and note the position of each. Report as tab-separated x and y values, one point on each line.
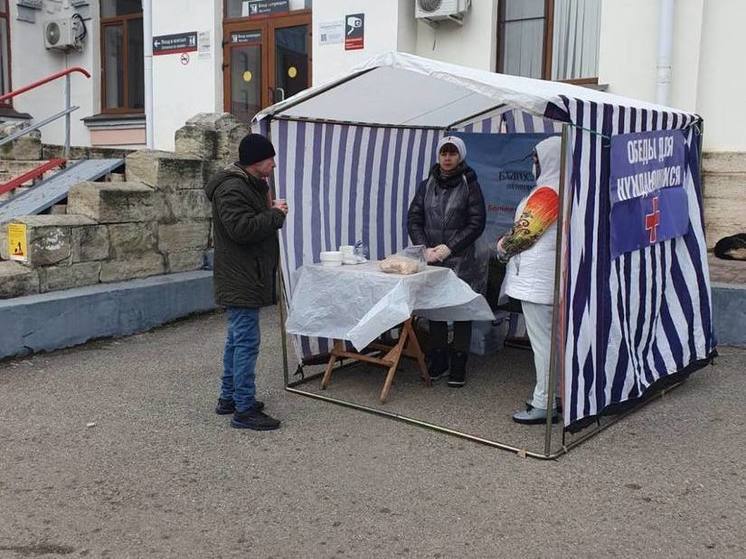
646	188
505	172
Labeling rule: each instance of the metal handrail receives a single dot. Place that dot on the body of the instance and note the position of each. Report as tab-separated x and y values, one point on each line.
36	126
68	108
46	80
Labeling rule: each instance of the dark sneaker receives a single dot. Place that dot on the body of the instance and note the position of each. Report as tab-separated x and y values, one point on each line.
437	363
226	407
457	377
254	419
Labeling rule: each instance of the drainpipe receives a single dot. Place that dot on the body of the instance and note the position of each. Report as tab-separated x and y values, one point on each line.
665	47
147	31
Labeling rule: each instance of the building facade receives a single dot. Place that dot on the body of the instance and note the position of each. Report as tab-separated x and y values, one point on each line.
242	55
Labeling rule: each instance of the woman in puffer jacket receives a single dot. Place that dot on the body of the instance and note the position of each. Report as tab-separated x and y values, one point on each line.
530	251
447	216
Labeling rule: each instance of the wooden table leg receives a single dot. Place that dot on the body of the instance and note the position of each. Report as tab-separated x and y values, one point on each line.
414	350
393	356
338	347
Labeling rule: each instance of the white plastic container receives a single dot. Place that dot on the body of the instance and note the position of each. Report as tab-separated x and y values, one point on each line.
348	254
331	258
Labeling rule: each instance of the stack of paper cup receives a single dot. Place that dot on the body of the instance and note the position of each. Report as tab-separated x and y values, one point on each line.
348	254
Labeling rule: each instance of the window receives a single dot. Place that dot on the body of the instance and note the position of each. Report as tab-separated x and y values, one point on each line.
550	39
123	80
4	50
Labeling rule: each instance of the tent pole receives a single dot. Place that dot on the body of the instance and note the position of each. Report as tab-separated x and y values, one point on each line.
281	286
476	115
554	355
283	333
439	428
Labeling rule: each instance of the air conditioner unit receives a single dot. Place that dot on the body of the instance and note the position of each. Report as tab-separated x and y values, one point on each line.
439	10
59	34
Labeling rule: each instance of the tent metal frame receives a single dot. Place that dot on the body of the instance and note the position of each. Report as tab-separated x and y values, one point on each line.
558	339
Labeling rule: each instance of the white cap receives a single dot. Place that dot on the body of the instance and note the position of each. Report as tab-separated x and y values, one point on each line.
457	142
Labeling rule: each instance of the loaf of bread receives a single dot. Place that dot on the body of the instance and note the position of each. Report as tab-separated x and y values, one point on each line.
399	265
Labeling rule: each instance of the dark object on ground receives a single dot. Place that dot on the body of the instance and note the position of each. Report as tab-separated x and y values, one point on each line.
226	407
254	419
731	248
457	377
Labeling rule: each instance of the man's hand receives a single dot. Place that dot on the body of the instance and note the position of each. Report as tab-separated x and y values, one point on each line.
281	205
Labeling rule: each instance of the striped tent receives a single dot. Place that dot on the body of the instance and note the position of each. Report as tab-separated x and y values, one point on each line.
351	153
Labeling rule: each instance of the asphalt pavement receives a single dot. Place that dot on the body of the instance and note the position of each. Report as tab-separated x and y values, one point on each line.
112	449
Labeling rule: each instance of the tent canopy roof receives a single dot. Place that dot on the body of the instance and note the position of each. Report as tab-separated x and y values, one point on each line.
402	89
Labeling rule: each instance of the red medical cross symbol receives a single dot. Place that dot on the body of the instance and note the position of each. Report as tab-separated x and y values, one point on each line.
652	221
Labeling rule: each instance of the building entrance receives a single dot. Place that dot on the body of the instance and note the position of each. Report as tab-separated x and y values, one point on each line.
265	60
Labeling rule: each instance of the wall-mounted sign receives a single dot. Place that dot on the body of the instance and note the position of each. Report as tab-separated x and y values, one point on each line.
246	36
354	31
203	44
251	8
17	242
331	32
175	44
184	58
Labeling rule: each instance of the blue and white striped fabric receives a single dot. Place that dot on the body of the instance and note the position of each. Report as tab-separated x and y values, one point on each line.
627	323
643	316
343	184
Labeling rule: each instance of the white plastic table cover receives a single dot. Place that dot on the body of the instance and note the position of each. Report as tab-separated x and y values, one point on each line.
358	303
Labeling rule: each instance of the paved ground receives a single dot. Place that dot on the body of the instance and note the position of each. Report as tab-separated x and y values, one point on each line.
159	475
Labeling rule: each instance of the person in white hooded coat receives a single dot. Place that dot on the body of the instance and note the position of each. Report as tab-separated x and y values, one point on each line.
530	251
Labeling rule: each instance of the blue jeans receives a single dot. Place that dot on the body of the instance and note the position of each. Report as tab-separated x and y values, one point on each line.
239	358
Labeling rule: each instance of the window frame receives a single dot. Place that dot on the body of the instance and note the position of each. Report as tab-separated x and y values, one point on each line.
548	47
5	14
114	21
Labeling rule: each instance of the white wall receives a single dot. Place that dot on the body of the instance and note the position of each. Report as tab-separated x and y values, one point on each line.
722	81
707	57
31	61
391	25
331	60
182	90
474	44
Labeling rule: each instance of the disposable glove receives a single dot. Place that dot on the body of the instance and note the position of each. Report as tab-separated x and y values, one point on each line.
442	252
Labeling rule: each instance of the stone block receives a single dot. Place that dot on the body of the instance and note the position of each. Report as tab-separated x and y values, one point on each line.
185	260
17	280
50	237
90	243
722	219
120	270
164	170
730	186
188	204
184	235
27	148
4	249
53	278
228	140
128	240
213	121
724	162
196	141
211	168
58	209
115	202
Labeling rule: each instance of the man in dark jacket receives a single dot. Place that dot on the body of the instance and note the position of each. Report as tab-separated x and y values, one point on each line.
245	224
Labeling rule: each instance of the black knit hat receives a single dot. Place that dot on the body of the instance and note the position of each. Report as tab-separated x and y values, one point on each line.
254	148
